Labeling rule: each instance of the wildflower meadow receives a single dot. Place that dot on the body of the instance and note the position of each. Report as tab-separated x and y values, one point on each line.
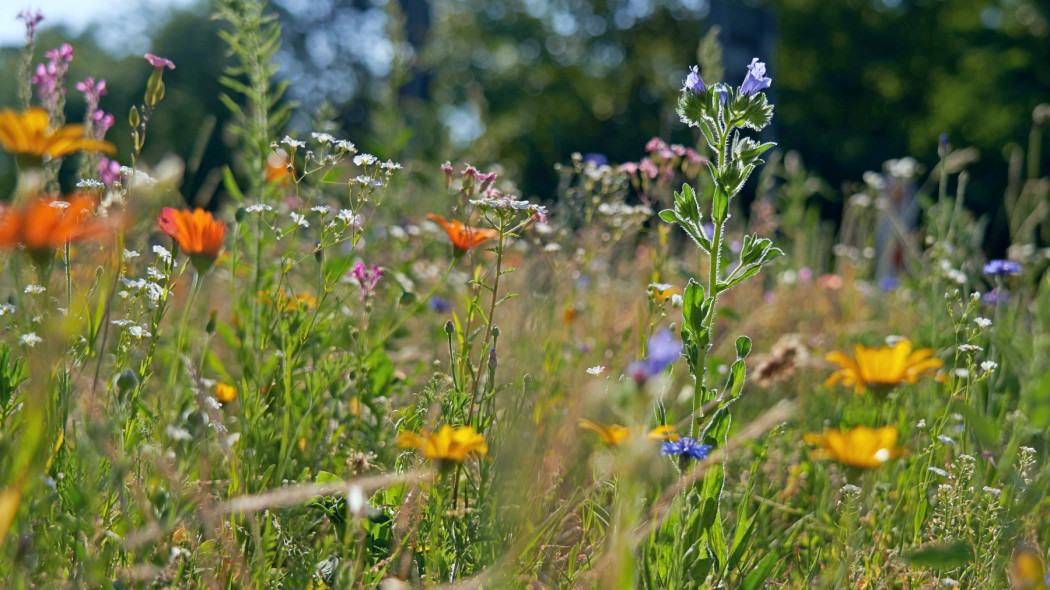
340	368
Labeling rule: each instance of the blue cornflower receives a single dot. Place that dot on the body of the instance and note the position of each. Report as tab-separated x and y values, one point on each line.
694	82
686	447
996	296
595	158
1001	268
756	80
662	350
439	305
888	283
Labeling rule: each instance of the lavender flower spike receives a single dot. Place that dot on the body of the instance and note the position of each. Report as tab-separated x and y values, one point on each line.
695	83
756	80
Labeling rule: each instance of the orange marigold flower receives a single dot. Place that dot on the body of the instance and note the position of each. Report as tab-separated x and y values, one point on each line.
46	223
464	237
882	368
859	447
447	446
225	393
197	233
27	134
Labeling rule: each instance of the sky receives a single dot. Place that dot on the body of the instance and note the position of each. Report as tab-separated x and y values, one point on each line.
129	34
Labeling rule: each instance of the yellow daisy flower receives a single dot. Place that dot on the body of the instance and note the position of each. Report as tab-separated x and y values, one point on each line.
859	447
447	445
614	434
27	134
881	368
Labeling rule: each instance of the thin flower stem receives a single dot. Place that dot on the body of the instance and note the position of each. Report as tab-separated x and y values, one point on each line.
181	334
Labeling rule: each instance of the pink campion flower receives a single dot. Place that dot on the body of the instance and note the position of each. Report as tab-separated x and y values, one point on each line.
655	144
693	157
98	122
159	63
102	122
49	77
367	279
647	168
109	171
678	150
449	171
629	168
32	20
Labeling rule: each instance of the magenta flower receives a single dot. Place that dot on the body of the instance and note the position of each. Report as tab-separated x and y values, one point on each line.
49	77
109	171
32	20
367	279
159	63
647	168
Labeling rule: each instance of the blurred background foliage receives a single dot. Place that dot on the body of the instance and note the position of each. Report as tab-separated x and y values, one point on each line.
525	83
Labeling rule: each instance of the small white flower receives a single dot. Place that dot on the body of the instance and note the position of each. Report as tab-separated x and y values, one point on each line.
6	308
348	217
367	181
177	433
30	339
676	301
983	322
299	220
939	471
596	370
365	160
163	253
154	274
322	209
946	439
850	489
552	247
921	424
1028	450
35	289
138	332
391	165
989	366
969	348
345	145
993	491
122	323
292	143
130	254
893	339
88	183
211	401
950	582
258	208
962	372
323	137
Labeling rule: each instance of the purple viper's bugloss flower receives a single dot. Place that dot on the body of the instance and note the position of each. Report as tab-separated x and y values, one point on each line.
694	82
685	447
1001	268
756	80
662	350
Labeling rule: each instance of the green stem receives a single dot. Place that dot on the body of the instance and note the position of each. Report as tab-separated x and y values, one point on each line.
180	336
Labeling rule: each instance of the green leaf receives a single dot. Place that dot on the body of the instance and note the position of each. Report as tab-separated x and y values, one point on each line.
230	184
743	347
326	477
761	573
941	555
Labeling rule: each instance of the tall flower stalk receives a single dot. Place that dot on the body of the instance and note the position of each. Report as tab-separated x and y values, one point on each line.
722	114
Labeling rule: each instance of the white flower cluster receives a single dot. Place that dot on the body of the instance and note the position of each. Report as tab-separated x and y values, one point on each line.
624	210
505	203
258	208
